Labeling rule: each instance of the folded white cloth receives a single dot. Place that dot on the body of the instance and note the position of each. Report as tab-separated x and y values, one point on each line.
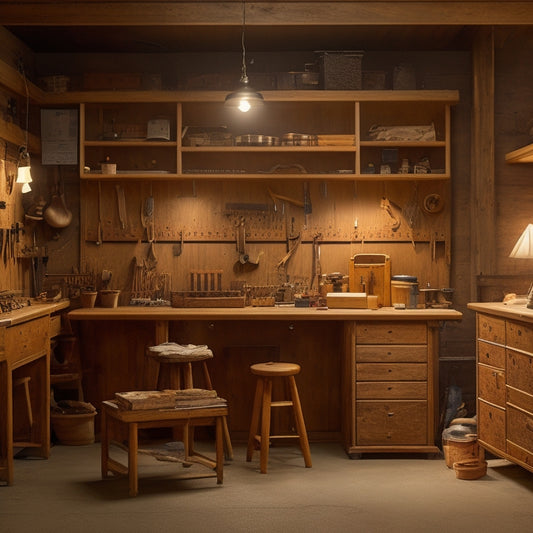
173	350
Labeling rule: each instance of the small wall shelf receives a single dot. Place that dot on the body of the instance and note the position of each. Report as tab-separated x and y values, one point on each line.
521	155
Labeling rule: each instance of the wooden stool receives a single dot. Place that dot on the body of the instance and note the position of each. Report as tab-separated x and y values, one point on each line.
114	419
260	425
174	371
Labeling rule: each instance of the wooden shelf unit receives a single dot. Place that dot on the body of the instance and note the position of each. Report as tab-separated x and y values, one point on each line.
308	112
521	155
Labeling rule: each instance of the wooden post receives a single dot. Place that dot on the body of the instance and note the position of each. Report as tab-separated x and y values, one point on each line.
483	256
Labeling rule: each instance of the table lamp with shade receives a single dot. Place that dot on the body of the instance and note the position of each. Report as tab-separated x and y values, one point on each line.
523	249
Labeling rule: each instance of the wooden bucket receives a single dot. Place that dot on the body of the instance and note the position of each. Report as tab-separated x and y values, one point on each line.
109	298
88	298
461	451
75	429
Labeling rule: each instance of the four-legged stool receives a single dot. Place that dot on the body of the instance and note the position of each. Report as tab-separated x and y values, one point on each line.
174	370
260	425
114	420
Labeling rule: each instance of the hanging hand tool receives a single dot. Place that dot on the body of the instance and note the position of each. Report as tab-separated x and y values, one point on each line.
275	197
316	270
99	238
121	201
308	208
12	241
386	205
244	258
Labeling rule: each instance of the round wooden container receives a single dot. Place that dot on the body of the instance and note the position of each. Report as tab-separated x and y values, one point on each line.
88	298
73	430
470	469
455	451
109	298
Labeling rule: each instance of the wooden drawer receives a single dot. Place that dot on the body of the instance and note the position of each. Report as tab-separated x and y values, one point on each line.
519	399
391	372
490	328
403	353
491	385
391	390
391	423
520	455
491	354
519	336
520	427
27	339
391	333
520	371
491	425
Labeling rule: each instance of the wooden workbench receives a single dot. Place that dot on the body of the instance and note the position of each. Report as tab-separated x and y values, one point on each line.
114	341
25	351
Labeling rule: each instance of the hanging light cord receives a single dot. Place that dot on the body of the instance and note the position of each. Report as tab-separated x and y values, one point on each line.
244	77
27	108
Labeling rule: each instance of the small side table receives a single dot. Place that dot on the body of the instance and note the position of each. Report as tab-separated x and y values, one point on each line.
115	421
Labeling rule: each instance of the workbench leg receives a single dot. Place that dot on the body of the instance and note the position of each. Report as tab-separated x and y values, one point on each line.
219	449
6	424
104	446
133	448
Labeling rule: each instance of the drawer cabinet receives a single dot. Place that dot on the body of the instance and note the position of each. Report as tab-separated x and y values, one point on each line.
491	381
505	381
392	381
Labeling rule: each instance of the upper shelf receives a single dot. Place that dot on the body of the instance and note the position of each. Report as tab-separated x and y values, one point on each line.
124	97
522	155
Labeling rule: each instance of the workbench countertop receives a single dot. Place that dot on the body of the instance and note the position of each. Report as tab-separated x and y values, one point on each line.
259	313
37	309
506	310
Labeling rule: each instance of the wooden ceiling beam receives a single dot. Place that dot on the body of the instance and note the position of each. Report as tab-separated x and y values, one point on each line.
259	13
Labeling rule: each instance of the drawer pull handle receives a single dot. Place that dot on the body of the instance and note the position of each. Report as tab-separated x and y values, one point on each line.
390	414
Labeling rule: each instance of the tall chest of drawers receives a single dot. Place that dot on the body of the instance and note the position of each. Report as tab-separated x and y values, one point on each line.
392	403
505	381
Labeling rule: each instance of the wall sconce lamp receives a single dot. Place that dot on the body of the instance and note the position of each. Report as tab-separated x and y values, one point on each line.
245	98
24	170
523	249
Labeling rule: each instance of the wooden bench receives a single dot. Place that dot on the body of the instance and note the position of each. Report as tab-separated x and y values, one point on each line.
115	422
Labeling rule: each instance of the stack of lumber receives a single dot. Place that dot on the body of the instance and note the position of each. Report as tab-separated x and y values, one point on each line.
168	399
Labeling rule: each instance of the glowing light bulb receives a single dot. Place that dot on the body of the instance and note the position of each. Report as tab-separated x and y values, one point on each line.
244	105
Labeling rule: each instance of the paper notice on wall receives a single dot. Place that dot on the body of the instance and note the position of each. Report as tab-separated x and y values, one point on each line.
59	136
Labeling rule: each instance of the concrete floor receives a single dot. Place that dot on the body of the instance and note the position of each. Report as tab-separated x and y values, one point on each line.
374	494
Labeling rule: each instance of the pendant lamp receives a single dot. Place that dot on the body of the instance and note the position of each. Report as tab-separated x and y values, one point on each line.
24	170
244	98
